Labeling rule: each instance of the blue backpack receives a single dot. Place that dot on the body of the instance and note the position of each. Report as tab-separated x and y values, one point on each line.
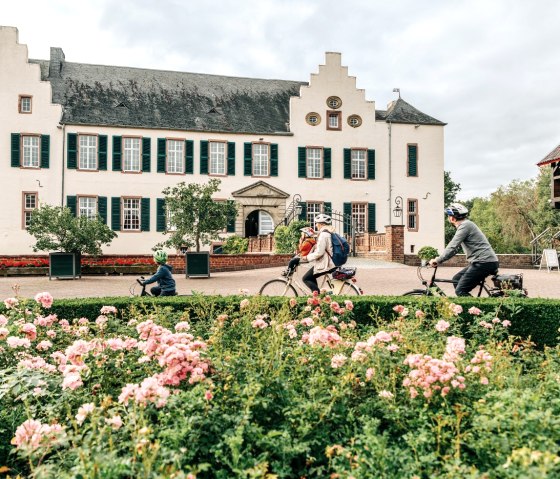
341	249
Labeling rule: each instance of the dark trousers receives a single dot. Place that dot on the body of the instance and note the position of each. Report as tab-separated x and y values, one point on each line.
468	278
156	291
310	279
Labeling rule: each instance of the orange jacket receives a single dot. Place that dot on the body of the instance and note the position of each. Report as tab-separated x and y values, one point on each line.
306	246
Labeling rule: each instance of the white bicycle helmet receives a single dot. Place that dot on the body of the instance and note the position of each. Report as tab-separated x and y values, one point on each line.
322	218
457	210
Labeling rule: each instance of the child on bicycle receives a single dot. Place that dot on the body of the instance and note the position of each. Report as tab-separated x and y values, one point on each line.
306	243
163	276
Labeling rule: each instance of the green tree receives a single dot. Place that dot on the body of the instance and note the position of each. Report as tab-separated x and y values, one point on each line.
450	191
286	238
57	229
197	219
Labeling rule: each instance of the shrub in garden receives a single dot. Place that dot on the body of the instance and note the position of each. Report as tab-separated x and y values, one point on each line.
235	245
260	388
286	238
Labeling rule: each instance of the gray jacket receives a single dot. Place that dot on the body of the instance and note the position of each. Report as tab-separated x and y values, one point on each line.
474	244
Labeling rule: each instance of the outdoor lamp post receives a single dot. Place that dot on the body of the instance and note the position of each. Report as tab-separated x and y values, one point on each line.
398	209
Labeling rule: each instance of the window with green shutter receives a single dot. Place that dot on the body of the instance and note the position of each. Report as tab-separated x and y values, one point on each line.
203	157
302	162
231	159
412	160
303	214
248	159
347	163
117	153
371	164
145	211
71	204
102	157
45	150
189	157
161	216
146	154
15	149
102	208
116	213
347	211
231	221
372	228
71	151
326	162
274	159
161	154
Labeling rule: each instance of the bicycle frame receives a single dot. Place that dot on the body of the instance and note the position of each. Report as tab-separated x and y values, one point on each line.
432	284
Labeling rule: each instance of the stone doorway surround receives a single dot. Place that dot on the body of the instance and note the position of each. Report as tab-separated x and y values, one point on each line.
259	196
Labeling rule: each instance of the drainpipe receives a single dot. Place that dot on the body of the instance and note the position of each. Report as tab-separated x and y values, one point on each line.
389	127
63	127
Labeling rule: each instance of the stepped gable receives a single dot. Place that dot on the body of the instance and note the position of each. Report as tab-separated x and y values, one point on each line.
402	112
136	97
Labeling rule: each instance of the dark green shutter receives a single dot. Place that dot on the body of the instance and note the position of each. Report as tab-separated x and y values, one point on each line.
71	204
303	214
102	156
146	154
116	213
347	163
189	157
16	160
231	222
203	157
371	218
347	210
326	163
274	159
161	153
247	159
102	208
72	151
231	159
302	162
45	150
371	164
327	208
412	160
161	217
117	154
145	215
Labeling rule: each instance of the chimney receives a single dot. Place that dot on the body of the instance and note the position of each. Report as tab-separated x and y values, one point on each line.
56	62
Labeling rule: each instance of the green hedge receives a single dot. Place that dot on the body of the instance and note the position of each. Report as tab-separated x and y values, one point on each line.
537	319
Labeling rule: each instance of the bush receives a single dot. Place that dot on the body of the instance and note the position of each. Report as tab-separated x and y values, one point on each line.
235	245
286	238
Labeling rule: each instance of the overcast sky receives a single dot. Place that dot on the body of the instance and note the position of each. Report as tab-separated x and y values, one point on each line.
488	68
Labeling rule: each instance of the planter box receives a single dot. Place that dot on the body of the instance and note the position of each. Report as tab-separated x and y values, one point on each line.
197	264
65	265
25	271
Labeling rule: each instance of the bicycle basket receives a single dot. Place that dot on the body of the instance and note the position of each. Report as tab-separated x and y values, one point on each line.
508	281
342	273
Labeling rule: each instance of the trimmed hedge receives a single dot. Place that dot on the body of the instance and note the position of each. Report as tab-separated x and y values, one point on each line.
537	319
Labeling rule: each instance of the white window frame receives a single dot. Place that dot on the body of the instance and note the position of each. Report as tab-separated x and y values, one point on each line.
87	206
334	120
30	201
217	158
131	214
359	164
31	151
132	154
412	214
175	162
314	162
313	209
87	152
359	217
261	159
25	104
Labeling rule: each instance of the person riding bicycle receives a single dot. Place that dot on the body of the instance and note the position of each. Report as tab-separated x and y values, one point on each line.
321	255
163	276
306	242
480	255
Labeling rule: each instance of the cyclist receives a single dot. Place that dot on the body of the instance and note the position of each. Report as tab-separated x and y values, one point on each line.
163	276
480	255
306	242
321	254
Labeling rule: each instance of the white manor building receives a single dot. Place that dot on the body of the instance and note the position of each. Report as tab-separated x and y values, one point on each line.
108	140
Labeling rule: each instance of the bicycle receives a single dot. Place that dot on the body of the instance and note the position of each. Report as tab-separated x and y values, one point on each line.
143	291
503	284
289	285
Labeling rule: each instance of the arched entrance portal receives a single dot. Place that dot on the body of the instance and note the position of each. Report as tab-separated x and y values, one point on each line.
258	222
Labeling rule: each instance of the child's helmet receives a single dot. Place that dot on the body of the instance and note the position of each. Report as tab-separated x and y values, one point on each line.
308	231
160	256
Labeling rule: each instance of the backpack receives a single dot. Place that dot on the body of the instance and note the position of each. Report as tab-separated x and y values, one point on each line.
341	249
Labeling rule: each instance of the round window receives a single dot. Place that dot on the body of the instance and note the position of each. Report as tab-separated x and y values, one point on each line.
313	118
354	121
334	102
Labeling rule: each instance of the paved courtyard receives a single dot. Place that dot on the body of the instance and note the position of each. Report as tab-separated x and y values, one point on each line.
374	277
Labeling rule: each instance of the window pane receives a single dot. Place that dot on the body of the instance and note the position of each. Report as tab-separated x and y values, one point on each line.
29	204
260	160
131	214
88	152
333	120
313	209
31	151
358	164
25	104
87	207
175	156
131	154
218	158
314	162
359	217
412	214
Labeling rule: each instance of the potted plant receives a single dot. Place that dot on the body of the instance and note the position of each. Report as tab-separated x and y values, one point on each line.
67	237
426	253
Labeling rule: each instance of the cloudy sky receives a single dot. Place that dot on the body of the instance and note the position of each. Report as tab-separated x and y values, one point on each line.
490	69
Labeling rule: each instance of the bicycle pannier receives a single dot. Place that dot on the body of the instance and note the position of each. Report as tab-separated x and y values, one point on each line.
508	281
343	273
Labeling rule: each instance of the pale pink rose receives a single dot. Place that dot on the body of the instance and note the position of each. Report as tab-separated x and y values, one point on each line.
338	360
244	292
11	303
349	305
16	342
51	334
386	394
392	348
259	323
182	326
83	412
244	303
44	299
83	321
506	323
108	310
4	333
496	320
208	395
3	320
484	380
44	345
474	311
370	372
486	324
307	322
32	435
293	302
101	321
442	326
456	309
399	308
420	314
115	422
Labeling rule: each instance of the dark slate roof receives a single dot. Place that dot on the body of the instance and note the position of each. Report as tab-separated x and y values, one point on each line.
135	97
552	157
403	112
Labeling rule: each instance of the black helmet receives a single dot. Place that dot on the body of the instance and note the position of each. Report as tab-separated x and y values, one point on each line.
457	210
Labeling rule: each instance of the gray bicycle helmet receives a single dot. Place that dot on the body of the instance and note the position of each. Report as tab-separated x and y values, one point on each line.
323	218
457	210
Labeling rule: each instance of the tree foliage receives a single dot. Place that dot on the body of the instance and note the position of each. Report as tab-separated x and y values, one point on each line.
450	191
57	229
197	219
286	238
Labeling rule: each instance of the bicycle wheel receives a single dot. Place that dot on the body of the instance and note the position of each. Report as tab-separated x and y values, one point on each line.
349	289
418	292
278	287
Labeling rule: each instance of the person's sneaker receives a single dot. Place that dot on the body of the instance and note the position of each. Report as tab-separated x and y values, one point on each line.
287	272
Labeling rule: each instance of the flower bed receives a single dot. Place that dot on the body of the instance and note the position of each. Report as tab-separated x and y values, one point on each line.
249	390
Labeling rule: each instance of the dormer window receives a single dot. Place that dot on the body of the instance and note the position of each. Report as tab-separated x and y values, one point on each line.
24	104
